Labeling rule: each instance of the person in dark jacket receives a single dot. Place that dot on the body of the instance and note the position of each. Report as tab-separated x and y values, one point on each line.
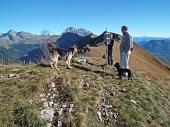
110	50
109	40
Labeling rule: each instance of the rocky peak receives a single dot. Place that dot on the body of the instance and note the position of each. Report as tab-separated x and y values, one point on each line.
81	32
12	32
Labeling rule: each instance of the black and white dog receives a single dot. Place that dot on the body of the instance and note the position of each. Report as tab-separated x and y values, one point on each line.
63	53
121	71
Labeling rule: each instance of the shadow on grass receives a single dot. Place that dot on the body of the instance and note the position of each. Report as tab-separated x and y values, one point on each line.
44	65
102	73
101	65
81	68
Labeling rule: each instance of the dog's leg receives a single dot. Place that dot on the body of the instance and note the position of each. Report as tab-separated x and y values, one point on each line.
56	62
52	64
129	74
120	75
68	61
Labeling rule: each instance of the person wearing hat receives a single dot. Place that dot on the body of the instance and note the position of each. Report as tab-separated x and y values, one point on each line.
126	48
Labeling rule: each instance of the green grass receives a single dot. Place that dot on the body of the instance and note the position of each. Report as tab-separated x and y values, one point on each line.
19	105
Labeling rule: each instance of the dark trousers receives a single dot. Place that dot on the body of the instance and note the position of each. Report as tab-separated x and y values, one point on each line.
110	54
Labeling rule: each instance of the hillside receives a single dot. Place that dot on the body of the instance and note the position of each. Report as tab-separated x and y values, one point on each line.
84	96
15	46
157	45
140	60
159	48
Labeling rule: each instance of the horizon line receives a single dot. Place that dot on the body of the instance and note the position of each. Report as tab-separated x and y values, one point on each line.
53	33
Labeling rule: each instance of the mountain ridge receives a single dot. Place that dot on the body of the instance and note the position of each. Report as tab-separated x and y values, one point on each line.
159	48
147	38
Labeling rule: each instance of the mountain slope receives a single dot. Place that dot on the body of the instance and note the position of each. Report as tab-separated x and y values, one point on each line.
17	45
157	45
159	48
140	60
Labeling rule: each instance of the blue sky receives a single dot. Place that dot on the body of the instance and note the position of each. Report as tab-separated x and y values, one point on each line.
143	17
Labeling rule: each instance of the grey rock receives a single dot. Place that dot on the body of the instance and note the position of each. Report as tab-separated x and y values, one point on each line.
13	75
51	104
134	102
47	114
86	85
45	105
99	114
53	85
60	111
64	105
113	94
123	90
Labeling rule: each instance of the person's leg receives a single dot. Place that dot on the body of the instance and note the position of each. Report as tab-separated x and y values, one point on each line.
127	55
112	57
121	59
107	59
109	54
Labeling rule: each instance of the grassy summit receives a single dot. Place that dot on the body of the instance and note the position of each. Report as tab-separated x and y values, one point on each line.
92	89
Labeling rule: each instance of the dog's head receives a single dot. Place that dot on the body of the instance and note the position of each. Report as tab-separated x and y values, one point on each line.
117	65
75	48
50	47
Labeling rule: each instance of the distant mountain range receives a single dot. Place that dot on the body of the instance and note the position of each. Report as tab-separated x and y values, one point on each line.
26	47
146	39
16	45
24	37
160	48
157	45
30	48
81	37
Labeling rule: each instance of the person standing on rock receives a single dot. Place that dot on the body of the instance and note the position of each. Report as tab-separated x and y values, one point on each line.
126	48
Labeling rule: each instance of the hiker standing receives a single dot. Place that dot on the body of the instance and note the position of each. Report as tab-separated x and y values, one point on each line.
126	47
110	50
109	41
